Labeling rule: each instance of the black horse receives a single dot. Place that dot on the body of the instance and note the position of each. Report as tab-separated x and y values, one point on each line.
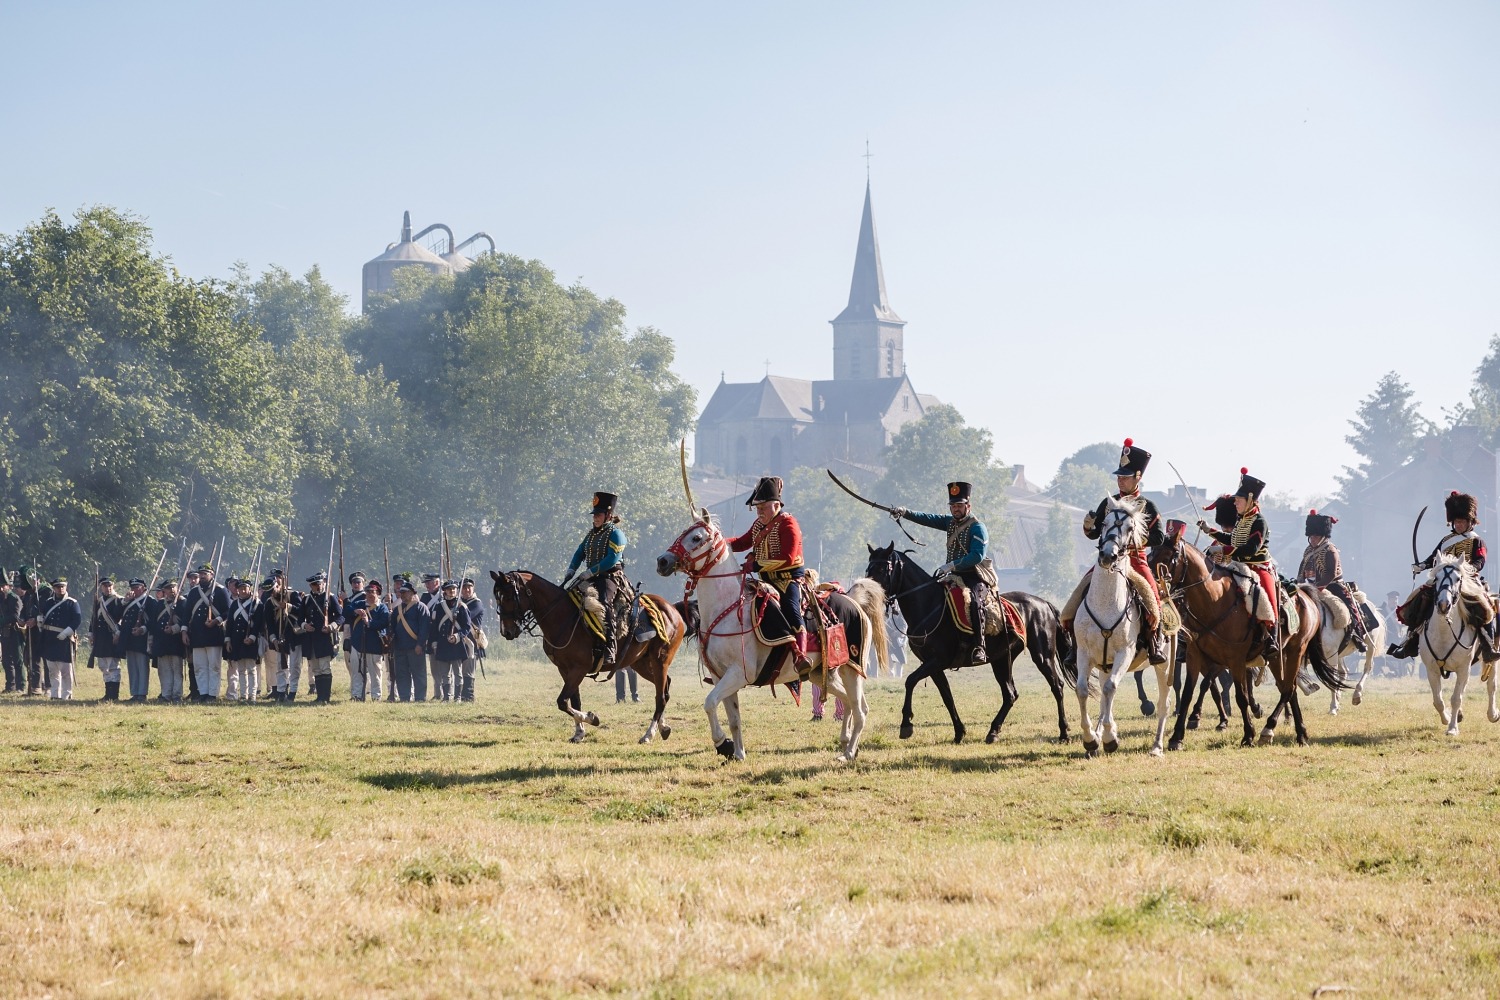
940	646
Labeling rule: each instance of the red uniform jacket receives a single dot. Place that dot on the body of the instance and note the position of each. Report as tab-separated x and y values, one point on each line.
777	546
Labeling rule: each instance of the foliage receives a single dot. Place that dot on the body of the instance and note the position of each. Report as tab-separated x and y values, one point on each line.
1102	455
1054	573
1386	429
1083	485
835	527
1483	409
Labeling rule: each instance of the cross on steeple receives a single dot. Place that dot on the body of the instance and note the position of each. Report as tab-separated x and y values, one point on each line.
867	156
768	367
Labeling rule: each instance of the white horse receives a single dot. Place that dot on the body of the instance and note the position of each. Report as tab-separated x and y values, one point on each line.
1107	628
1450	648
1336	649
734	656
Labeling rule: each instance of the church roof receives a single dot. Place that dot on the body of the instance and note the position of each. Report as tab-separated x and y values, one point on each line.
774	397
867	299
858	400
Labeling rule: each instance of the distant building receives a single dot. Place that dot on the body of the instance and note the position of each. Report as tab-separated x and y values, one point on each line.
379	275
781	423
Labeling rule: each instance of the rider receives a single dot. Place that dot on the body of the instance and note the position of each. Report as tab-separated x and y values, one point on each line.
1462	511
1249	543
1225	517
775	544
968	544
1128	477
600	559
1322	568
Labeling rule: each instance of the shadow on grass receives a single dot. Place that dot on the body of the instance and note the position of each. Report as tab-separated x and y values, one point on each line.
435	744
429	780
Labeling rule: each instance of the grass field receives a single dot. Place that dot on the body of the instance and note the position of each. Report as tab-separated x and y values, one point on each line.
363	850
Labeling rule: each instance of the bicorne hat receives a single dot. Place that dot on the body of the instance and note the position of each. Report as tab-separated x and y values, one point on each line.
604	503
960	492
1320	525
769	488
1461	505
1250	487
1132	459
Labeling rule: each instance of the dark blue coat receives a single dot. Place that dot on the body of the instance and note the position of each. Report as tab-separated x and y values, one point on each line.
449	621
320	611
59	615
109	643
242	630
410	637
162	615
367	636
278	625
137	615
202	635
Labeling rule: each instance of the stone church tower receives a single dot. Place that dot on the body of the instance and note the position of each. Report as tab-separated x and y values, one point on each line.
867	334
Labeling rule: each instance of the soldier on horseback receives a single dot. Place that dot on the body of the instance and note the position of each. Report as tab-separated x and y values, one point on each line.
968	544
1462	511
600	560
775	545
1248	542
1322	568
1133	461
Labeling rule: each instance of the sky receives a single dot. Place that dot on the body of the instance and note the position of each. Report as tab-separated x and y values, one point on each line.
1209	227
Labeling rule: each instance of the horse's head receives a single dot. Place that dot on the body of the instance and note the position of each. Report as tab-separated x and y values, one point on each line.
884	566
696	550
511	600
1123	529
1452	577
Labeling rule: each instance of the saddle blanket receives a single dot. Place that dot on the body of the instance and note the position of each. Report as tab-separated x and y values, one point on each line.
833	631
1257	605
592	613
997	612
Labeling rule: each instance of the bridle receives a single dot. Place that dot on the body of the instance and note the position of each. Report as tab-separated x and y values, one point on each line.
696	566
895	572
1441	582
526	621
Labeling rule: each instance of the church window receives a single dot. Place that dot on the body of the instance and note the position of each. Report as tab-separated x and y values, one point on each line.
905	402
890	358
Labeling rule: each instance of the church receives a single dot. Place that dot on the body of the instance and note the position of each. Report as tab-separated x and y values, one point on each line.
779	423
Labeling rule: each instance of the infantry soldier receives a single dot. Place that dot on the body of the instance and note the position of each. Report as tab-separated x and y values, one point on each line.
775	545
1322	568
968	544
1462	511
475	649
438	668
32	597
448	629
108	637
368	619
1249	543
600	560
168	639
136	639
408	631
10	636
242	642
207	609
280	627
60	620
320	630
351	600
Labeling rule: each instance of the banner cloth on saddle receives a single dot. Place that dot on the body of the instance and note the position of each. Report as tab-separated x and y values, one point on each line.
832	620
586	600
996	612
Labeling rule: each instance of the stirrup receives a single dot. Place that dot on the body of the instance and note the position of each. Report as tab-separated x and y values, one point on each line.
978	655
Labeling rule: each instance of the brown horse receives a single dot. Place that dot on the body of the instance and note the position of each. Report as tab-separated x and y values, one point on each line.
1222	632
530	602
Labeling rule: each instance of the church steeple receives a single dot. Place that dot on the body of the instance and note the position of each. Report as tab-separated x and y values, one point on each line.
867	335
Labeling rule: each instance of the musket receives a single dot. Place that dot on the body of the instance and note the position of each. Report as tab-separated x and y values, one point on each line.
94	618
328	593
1197	532
150	587
385	548
1415	559
447	556
342	578
872	503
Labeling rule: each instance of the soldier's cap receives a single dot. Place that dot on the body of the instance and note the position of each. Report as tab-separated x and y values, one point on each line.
405	586
61	581
318	577
375	586
104	579
429	577
356	575
467	582
449	585
205	568
135	581
959	492
267	584
277	574
167	583
604	503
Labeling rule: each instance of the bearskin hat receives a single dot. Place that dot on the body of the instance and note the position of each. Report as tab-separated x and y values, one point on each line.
1224	513
1461	505
1320	525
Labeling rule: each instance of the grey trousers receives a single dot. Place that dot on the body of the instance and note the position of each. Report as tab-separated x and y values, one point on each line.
169	671
138	667
409	674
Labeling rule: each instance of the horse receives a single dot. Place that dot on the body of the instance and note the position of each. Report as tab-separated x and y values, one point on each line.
1113	619
1444	650
939	646
1337	644
529	602
734	655
1221	631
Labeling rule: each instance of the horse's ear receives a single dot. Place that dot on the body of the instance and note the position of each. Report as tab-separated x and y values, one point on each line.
870	547
494	576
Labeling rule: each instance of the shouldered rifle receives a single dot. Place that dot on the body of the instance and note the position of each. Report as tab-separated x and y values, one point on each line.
94	619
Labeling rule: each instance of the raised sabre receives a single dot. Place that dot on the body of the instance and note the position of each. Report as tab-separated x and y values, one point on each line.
1414	557
686	489
878	506
1197	531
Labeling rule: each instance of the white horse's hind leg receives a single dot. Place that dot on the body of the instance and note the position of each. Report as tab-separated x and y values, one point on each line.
856	710
1435	679
1086	724
1111	736
724	689
732	709
1163	697
1494	709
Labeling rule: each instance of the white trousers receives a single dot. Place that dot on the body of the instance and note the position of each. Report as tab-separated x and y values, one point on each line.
364	674
244	680
61	672
284	669
169	672
208	667
109	666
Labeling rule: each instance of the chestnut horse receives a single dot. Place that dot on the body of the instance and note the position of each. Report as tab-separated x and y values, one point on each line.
1222	632
528	602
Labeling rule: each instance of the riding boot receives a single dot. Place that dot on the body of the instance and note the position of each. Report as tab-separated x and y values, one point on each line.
323	683
1271	642
111	690
976	619
1070	658
1157	651
1357	638
1407	648
468	689
610	640
800	646
1487	650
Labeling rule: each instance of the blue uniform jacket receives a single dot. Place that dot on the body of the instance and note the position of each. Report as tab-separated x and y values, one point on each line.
58	616
137	615
162	616
963	553
279	624
109	644
201	634
476	619
601	550
449	620
242	631
365	636
318	611
410	637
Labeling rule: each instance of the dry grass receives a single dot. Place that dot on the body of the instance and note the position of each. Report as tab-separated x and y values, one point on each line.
431	850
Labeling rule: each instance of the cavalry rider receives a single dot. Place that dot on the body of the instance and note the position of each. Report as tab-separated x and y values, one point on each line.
1322	568
775	545
600	560
968	544
1249	542
1128	476
1225	517
1462	511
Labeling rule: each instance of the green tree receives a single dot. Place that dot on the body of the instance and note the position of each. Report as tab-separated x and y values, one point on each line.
1102	455
1054	572
1483	408
927	454
835	527
1083	485
1386	428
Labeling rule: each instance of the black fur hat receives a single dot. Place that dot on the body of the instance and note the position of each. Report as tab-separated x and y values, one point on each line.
1461	505
1320	525
959	492
1224	513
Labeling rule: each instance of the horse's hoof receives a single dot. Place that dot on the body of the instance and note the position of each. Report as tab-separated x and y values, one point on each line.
1065	738
591	719
992	736
576	737
1267	738
1223	725
959	734
1110	746
906	730
1090	751
1333	711
1247	742
666	731
1155	751
1358	696
1193	721
1493	716
1302	740
725	748
644	739
1452	730
1148	708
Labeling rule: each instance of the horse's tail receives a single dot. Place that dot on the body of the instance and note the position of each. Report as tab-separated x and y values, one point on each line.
870	596
1332	674
1067	647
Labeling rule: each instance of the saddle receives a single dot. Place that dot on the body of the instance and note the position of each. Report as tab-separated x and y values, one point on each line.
997	613
1255	597
634	611
830	616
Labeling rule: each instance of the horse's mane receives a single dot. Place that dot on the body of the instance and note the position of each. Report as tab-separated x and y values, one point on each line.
1468	576
1136	526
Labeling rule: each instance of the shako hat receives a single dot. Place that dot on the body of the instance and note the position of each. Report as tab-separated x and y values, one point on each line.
1176	528
604	503
1250	487
429	577
105	579
769	488
60	581
960	492
1461	505
1133	460
1320	525
205	568
356	575
1223	508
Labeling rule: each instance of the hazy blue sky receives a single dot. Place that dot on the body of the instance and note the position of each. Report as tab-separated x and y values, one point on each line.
1208	226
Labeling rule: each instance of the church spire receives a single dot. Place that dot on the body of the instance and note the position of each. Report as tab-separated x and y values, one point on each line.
867	299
